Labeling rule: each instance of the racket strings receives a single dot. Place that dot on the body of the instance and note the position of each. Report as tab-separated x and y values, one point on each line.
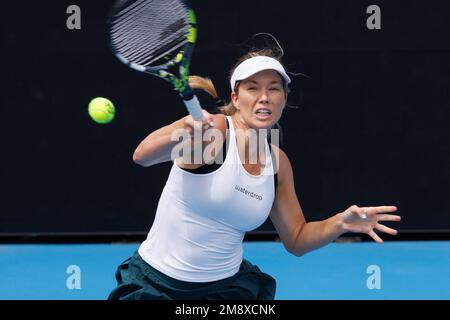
148	48
146	31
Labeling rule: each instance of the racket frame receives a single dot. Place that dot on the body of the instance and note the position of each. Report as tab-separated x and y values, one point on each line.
181	59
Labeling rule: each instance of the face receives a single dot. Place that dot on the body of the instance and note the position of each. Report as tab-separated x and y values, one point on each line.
260	100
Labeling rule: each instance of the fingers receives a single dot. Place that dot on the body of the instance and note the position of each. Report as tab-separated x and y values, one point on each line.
381	228
207	125
375	214
375	236
208	118
385	229
388	217
365	212
380	209
192	125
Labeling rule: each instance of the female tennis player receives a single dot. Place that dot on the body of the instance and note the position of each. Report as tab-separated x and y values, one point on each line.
194	247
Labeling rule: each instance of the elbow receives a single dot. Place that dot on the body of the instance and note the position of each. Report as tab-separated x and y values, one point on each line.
294	252
298	254
138	158
295	246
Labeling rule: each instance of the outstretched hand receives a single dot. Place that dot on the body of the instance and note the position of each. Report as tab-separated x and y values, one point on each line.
366	220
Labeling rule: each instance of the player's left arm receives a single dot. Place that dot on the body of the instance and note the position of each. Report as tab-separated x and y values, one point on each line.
297	235
300	237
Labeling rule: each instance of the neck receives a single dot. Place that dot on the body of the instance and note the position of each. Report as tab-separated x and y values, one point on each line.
250	141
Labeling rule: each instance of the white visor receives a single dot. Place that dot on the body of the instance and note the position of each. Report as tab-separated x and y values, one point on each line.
254	65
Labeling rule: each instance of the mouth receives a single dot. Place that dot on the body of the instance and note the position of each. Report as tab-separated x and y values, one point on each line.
263	113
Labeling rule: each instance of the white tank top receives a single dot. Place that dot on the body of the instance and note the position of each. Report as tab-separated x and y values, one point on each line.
201	219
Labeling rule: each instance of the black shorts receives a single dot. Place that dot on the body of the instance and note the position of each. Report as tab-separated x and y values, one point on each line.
137	280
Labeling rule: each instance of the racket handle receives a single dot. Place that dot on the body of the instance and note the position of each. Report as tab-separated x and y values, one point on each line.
194	107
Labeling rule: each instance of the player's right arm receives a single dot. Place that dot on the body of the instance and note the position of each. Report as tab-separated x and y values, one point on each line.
157	146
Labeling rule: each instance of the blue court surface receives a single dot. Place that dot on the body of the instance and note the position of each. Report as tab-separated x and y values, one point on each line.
393	270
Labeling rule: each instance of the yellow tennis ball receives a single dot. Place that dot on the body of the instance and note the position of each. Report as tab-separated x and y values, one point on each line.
101	110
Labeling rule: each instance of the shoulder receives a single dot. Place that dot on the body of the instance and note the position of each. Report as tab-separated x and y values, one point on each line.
283	164
280	156
220	123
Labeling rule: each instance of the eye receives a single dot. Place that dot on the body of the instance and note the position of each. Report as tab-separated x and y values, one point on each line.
251	88
275	89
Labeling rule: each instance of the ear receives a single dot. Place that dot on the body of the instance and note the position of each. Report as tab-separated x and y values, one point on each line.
234	99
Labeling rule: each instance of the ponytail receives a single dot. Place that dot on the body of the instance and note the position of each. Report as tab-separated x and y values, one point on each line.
205	84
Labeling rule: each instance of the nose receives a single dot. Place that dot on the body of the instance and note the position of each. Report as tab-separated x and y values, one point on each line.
264	98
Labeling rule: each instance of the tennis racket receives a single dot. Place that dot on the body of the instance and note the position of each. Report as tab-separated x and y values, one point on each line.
156	36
